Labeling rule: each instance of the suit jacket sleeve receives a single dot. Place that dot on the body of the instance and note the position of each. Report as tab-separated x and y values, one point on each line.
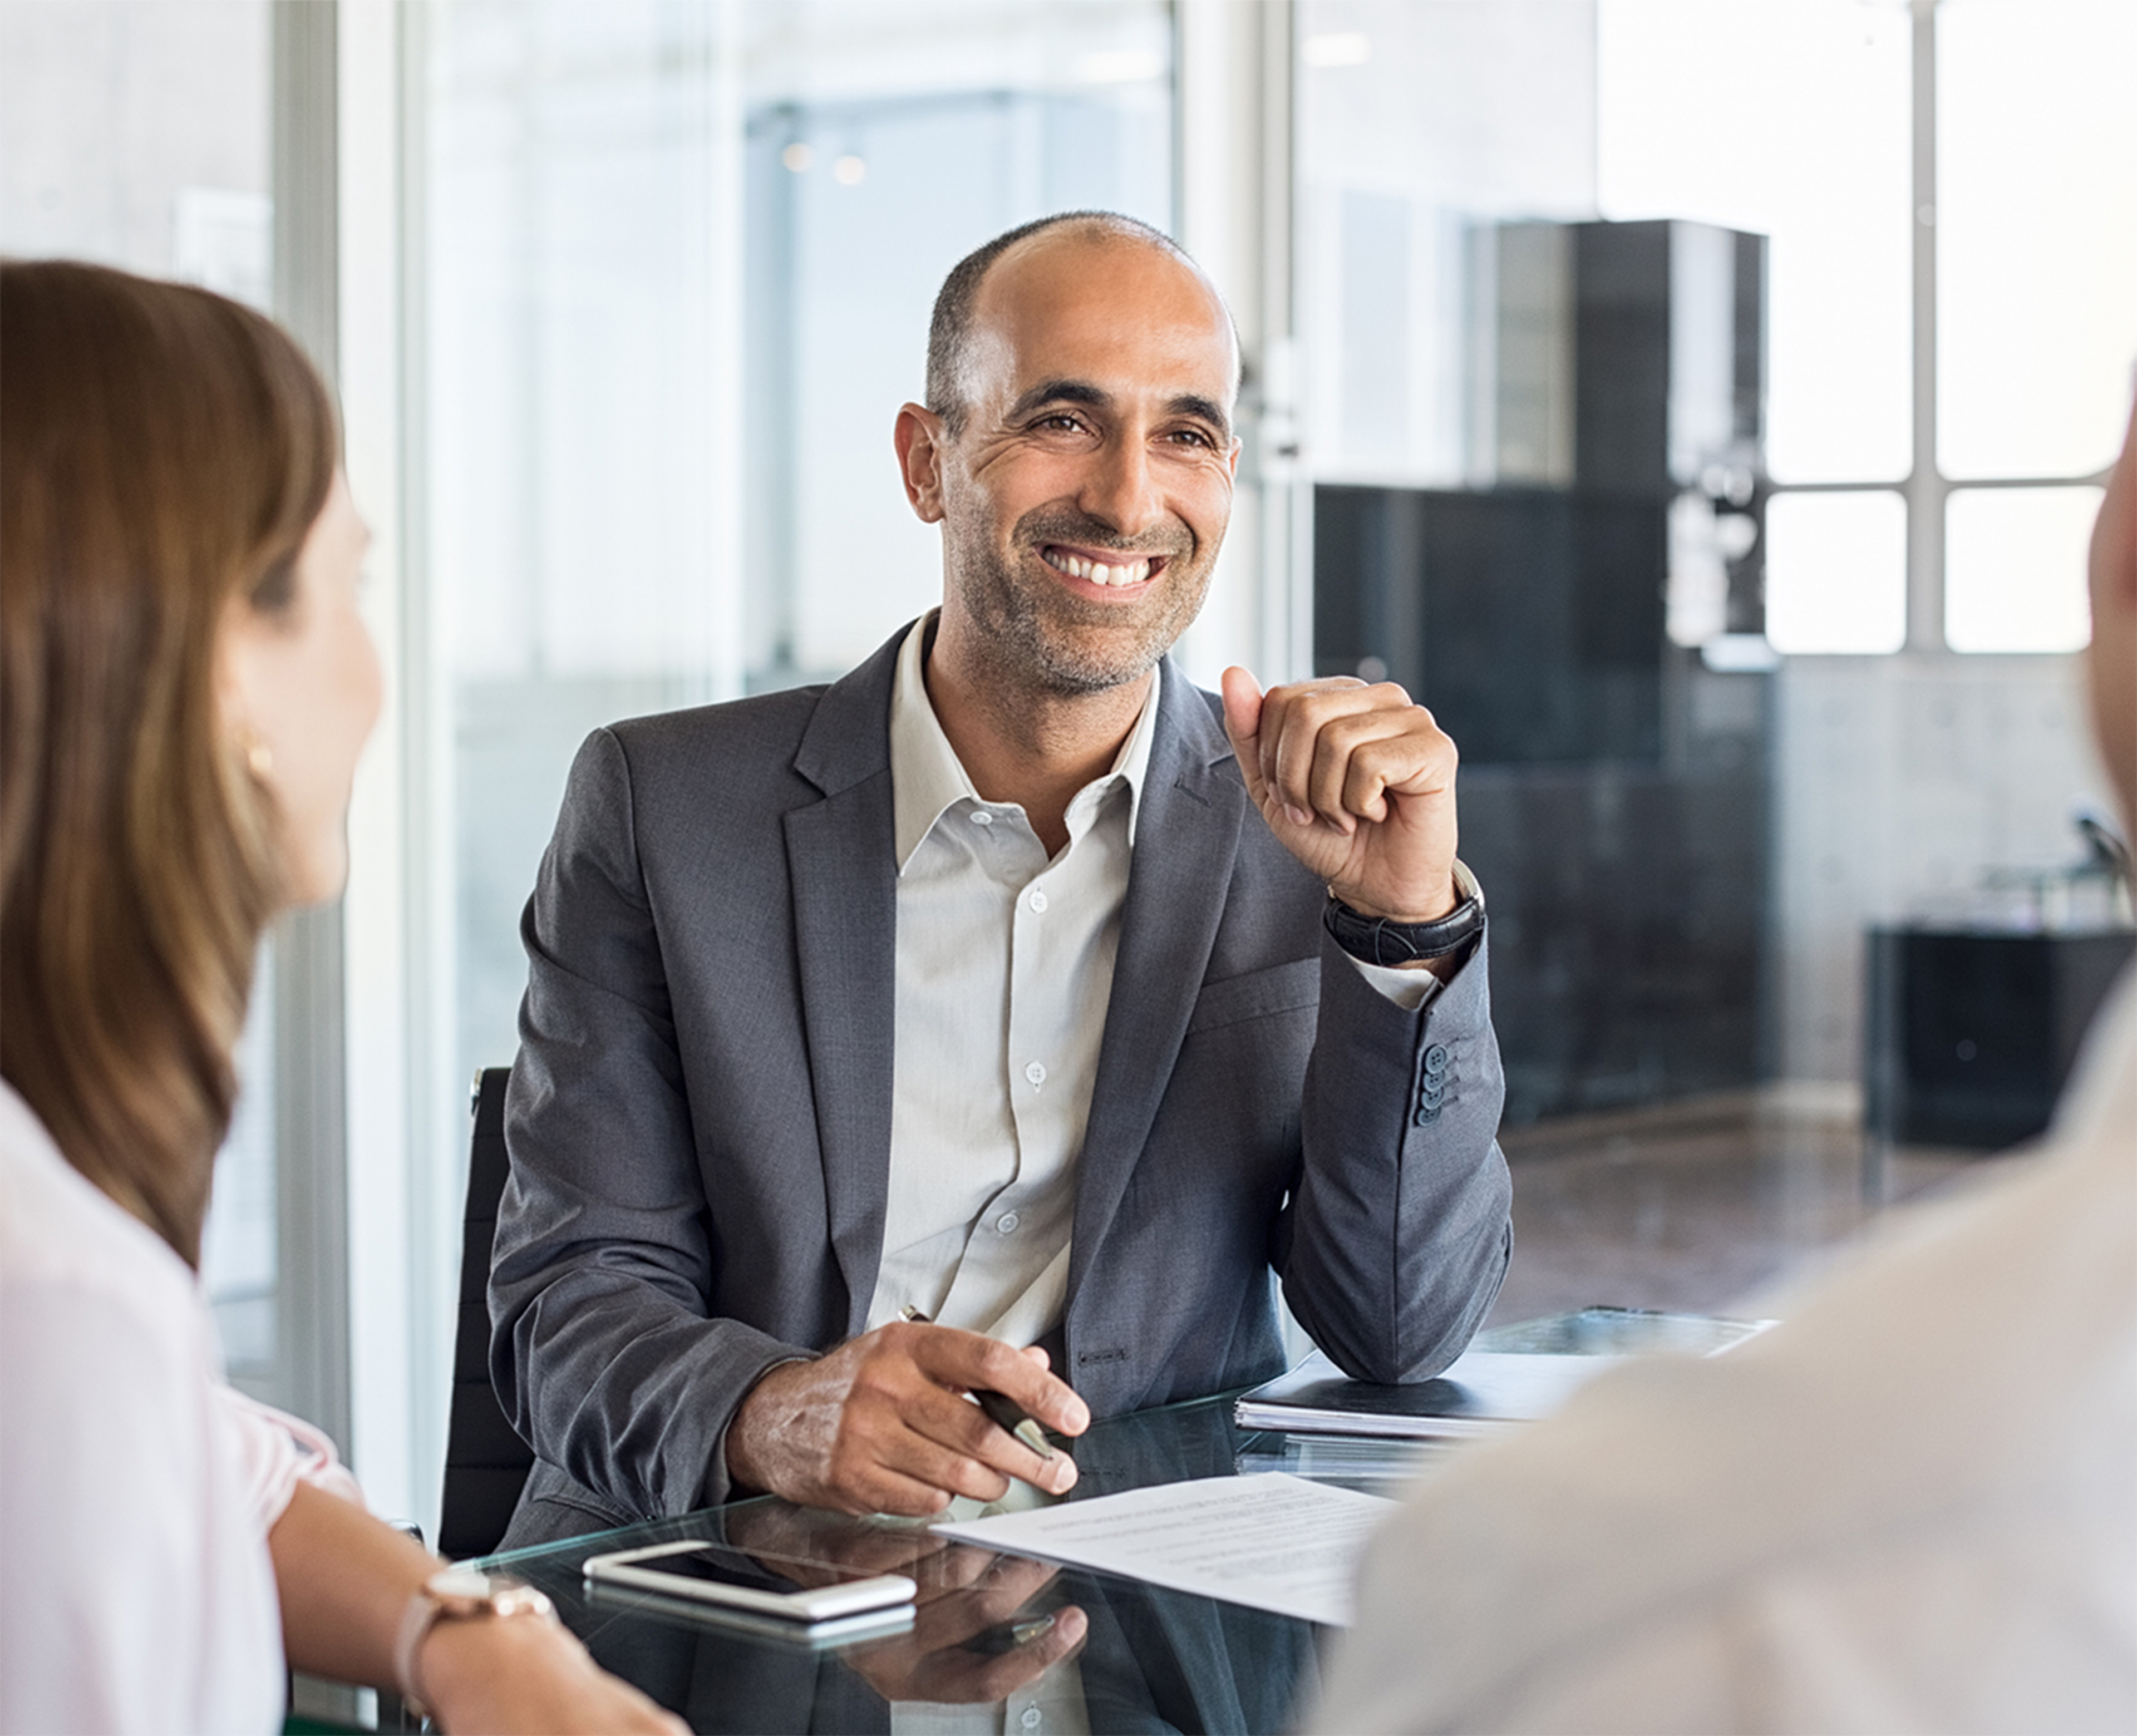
604	1350
1399	1229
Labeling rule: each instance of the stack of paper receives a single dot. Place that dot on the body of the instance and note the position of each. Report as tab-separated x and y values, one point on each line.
1378	1466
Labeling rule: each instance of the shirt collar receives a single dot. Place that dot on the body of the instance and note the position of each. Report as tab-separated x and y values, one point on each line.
927	777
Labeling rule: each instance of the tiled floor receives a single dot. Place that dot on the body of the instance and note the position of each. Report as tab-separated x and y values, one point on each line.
1693	1205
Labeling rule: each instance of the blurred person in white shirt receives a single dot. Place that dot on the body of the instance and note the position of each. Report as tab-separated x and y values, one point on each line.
1912	1507
187	685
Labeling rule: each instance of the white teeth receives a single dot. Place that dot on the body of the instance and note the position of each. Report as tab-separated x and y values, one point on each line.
1098	572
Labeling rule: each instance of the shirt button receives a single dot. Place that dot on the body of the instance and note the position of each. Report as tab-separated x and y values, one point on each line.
980	817
1031	1718
1007	1223
1039	901
1036	1072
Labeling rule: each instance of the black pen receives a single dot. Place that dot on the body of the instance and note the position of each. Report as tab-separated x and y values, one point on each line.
1004	1413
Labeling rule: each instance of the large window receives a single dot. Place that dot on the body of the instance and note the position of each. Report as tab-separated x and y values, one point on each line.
1953	295
2036	303
1693	387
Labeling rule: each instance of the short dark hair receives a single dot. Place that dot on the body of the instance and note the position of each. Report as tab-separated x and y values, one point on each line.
950	331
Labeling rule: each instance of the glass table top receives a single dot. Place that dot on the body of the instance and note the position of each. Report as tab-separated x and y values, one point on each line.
999	1642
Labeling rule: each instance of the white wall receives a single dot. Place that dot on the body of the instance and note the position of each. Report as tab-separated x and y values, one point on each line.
1901	781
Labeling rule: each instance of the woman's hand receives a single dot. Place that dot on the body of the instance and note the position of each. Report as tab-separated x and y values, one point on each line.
345	1581
519	1676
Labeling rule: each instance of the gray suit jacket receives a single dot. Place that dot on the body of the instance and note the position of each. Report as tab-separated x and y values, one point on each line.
700	1117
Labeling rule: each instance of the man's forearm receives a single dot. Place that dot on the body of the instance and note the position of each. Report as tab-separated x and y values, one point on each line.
1400	1227
625	1389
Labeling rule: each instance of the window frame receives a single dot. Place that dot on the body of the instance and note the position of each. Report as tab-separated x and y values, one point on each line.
1926	490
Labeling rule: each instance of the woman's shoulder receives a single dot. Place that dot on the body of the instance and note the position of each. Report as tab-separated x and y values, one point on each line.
61	1236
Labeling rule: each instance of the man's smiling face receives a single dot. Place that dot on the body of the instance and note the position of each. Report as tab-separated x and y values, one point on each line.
1084	500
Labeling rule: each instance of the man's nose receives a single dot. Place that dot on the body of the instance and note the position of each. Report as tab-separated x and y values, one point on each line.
1120	490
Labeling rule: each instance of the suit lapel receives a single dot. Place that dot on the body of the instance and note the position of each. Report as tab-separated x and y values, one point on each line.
842	865
1187	832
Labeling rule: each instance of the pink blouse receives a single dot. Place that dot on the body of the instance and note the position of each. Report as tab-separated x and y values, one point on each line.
137	1488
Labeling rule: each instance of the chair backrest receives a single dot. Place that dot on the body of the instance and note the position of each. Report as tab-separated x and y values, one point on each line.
486	1462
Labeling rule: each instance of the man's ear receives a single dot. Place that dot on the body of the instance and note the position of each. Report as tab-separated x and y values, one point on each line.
920	438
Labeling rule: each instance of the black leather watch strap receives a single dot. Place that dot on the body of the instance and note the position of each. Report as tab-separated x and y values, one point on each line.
1378	940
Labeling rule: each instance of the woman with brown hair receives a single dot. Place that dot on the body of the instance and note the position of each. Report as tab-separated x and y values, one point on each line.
188	683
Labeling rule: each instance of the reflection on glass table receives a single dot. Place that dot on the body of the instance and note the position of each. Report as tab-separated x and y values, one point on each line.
998	1642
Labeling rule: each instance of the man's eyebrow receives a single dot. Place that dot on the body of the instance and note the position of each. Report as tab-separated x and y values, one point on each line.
1082	392
1061	392
1194	404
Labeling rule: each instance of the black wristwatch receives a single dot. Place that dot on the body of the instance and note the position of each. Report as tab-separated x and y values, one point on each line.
1378	941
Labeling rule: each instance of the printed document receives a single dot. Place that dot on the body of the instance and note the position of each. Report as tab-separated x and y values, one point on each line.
1271	1541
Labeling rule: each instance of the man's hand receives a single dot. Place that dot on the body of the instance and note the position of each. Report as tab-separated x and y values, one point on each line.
1357	783
967	1645
881	1424
973	1596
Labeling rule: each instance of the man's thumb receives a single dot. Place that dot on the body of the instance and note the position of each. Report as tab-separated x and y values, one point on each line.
1242	721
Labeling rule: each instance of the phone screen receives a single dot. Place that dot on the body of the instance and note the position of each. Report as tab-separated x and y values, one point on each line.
714	1565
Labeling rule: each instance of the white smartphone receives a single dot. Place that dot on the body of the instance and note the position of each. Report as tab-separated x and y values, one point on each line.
719	1575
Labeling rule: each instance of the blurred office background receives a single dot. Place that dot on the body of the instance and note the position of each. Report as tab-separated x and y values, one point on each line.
1701	403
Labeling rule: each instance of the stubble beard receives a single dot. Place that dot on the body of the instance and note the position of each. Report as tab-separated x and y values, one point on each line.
1027	634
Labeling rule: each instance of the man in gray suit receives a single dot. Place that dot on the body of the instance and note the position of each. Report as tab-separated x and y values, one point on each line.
1002	1016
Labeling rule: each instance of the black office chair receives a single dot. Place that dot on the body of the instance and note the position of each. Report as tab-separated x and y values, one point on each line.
486	1462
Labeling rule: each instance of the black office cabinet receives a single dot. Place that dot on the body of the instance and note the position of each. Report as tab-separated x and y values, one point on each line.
1971	1037
1614	790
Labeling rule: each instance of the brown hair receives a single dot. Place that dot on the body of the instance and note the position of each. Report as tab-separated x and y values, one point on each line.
162	451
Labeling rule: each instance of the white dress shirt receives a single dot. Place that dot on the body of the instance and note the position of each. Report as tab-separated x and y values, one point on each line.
1911	1508
1005	973
1005	970
137	1488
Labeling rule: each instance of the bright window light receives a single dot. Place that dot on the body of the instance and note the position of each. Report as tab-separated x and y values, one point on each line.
2036	250
1336	48
1837	572
1790	118
2014	569
1119	66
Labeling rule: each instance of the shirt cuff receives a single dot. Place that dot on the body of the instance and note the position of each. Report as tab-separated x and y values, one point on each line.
1408	989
